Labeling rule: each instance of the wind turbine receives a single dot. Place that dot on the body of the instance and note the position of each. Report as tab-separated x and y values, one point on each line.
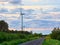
22	21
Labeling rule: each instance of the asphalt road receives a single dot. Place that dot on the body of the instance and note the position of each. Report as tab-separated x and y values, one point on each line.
34	42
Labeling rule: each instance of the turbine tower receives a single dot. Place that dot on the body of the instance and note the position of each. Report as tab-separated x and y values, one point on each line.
21	21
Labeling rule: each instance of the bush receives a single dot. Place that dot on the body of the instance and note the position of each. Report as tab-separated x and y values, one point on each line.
55	34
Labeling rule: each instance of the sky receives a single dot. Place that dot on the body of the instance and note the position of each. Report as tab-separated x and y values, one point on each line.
40	16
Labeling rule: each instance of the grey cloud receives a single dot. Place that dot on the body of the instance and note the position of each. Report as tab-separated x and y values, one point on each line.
3	10
15	1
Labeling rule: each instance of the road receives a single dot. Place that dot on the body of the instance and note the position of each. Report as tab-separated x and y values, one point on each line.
34	42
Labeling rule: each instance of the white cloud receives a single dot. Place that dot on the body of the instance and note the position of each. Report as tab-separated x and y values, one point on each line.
3	0
56	20
39	7
37	29
52	16
10	6
3	3
35	0
10	15
12	29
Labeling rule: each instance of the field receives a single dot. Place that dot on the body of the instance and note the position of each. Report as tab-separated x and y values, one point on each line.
15	38
51	42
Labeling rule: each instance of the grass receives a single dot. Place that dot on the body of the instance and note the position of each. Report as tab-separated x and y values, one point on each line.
51	42
17	41
14	42
15	38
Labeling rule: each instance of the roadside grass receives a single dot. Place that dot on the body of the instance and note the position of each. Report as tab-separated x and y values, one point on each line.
14	42
51	42
15	38
17	41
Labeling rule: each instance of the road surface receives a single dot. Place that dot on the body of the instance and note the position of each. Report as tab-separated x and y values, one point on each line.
34	42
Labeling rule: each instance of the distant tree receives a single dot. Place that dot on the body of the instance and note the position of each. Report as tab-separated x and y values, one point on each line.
3	25
31	32
40	35
37	35
54	29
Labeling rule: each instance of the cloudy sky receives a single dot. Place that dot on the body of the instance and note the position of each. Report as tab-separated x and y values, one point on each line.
40	16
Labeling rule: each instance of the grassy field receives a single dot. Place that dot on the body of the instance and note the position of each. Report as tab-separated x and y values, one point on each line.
51	42
17	41
14	42
15	38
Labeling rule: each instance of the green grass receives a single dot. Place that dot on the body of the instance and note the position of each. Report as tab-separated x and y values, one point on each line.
17	41
14	42
51	42
15	38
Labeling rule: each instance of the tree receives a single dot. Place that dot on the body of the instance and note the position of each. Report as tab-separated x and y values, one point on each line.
55	34
3	26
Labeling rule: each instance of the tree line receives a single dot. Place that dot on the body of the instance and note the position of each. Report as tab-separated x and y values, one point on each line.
4	28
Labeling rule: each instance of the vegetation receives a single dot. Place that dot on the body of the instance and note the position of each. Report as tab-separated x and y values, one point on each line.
14	39
3	26
53	38
51	42
55	34
11	37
